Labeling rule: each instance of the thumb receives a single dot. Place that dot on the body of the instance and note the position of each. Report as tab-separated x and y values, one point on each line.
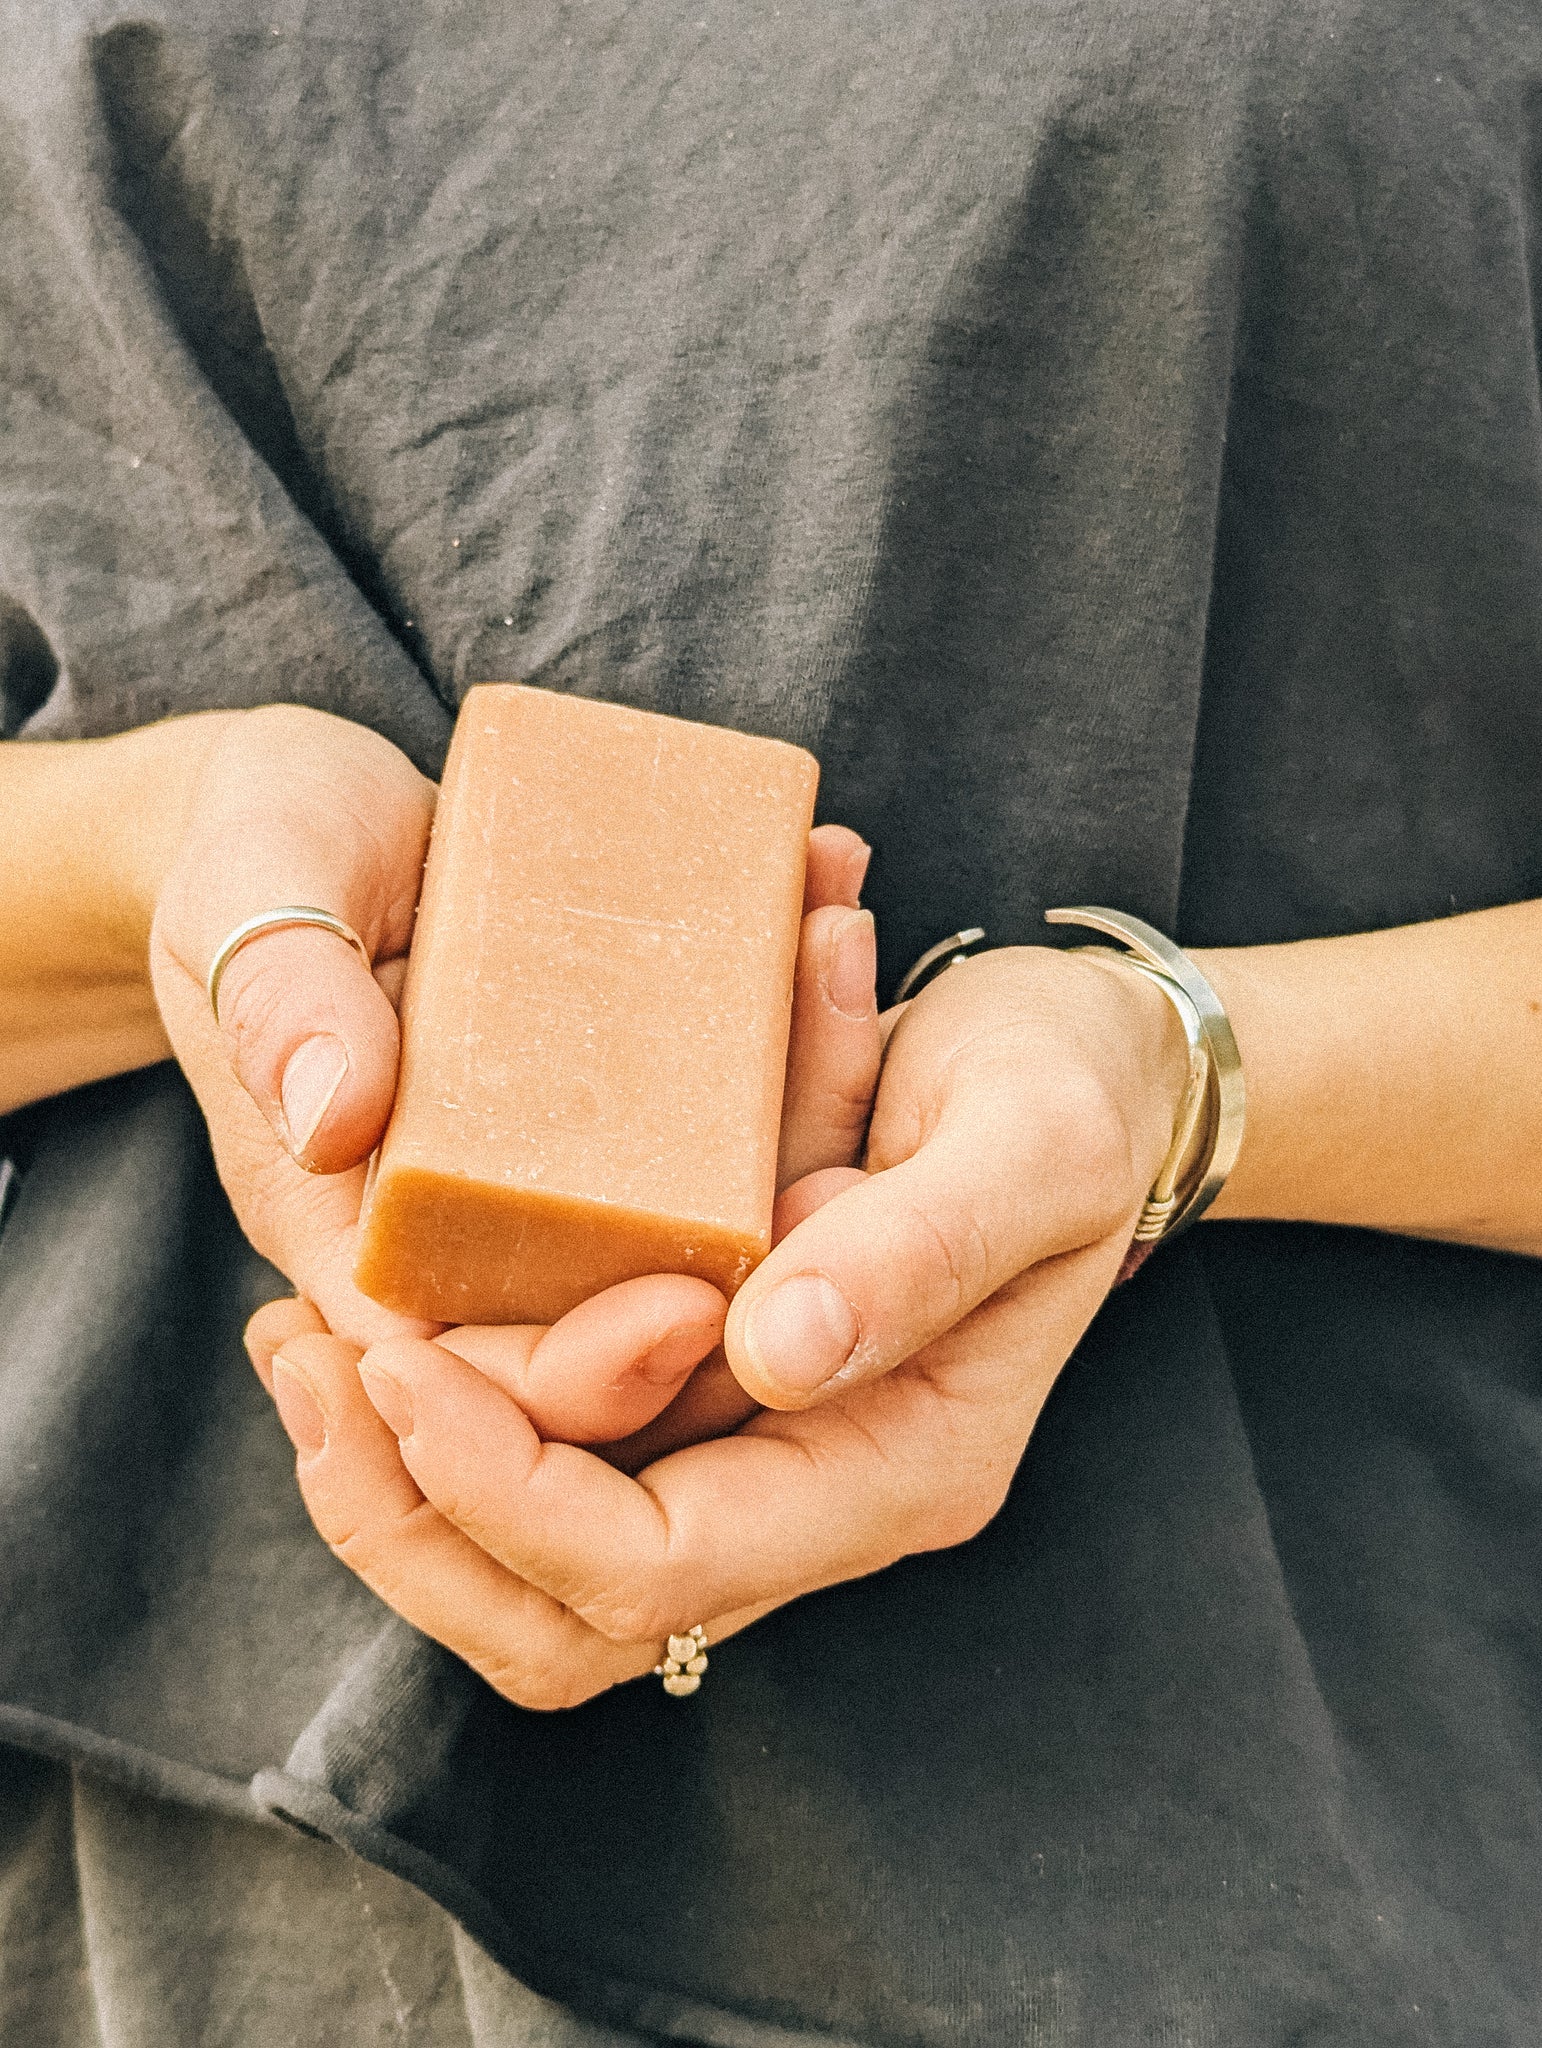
893	1262
299	809
881	1270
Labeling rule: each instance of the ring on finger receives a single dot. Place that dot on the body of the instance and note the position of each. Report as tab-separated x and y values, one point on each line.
685	1659
272	921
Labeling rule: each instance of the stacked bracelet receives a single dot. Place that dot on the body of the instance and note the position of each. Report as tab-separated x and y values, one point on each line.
1207	1131
1171	1200
1207	1134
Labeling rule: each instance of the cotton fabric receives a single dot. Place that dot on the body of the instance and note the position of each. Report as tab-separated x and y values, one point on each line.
130	1922
1109	436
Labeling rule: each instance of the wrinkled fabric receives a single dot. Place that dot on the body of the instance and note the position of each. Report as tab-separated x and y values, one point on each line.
129	1922
1107	434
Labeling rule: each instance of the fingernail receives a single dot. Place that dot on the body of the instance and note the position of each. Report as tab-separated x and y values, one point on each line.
853	965
858	869
801	1334
301	1413
671	1358
313	1076
389	1398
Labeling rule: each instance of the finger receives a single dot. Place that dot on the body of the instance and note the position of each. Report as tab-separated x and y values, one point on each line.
305	1224
313	1039
332	817
671	1311
788	1504
900	1258
804	1196
712	1403
479	1461
887	1021
610	1365
368	1509
833	1051
883	1270
273	1325
1013	1157
837	864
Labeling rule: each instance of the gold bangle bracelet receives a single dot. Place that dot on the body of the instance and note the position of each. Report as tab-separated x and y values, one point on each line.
1171	1200
949	952
1207	1131
1225	1095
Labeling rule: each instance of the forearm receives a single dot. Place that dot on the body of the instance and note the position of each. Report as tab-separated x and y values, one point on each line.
91	827
1394	1078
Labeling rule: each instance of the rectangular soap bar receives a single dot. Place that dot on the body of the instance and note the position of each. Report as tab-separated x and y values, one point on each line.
595	1017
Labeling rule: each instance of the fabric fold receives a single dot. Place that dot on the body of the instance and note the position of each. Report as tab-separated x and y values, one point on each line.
1108	436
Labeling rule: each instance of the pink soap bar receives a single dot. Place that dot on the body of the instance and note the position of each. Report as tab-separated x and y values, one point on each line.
595	1018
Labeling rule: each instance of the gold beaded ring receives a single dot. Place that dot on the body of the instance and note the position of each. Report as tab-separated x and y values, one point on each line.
685	1659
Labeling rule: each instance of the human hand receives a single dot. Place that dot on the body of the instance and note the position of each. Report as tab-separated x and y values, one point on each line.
1026	1103
296	1078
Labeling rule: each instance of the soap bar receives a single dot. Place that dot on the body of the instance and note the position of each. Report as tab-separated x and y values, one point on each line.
596	1010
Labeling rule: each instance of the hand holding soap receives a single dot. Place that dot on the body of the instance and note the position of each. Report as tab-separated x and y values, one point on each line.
596	1011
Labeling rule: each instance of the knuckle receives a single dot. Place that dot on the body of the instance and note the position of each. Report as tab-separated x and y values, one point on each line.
543	1687
252	1001
364	1548
955	1256
961	1515
285	1218
374	1551
453	1496
848	1102
350	1543
627	1615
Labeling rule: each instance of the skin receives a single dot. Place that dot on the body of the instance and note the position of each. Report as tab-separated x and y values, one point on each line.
551	1504
91	830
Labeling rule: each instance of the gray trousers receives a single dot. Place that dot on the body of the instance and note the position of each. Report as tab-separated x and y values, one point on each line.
129	1923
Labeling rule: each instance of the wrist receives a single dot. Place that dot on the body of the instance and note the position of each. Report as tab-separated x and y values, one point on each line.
1161	1065
1321	1065
96	825
1207	1132
154	773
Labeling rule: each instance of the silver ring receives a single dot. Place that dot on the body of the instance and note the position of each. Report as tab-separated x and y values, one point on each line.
271	921
685	1659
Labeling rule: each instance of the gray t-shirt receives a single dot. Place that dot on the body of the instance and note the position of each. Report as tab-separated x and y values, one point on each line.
1108	434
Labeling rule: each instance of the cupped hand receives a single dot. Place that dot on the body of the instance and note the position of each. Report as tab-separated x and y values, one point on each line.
295	1079
297	1074
902	1338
